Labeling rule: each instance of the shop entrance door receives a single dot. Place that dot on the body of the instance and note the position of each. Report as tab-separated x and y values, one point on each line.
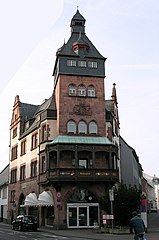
82	215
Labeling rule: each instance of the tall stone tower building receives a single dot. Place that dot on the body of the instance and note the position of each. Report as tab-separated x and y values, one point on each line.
64	152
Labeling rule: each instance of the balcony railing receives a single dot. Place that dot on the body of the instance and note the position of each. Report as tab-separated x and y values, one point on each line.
71	174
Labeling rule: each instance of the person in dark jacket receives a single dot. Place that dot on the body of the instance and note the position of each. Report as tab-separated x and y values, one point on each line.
137	224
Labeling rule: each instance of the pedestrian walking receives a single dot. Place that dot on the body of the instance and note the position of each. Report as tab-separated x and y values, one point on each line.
137	226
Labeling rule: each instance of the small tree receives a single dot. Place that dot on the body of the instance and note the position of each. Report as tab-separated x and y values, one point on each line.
126	200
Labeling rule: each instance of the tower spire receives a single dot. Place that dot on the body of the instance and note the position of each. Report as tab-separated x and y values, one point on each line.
78	23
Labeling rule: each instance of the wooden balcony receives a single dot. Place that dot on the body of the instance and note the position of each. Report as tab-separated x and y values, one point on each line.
82	175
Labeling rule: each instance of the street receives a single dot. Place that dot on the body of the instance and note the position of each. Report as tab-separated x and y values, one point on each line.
6	233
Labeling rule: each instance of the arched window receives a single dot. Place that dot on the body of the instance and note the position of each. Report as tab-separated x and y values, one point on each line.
72	90
82	127
81	90
71	127
91	91
92	127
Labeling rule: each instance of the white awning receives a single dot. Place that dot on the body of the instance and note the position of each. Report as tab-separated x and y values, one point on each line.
31	200
45	199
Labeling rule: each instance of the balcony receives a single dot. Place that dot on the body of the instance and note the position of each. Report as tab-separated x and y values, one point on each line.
82	175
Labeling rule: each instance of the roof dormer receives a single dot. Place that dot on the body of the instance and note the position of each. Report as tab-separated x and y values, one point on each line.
80	45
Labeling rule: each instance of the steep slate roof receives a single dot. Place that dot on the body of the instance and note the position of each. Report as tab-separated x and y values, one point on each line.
78	48
47	104
68	51
33	110
28	111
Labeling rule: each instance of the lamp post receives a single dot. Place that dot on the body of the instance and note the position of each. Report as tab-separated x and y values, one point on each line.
111	198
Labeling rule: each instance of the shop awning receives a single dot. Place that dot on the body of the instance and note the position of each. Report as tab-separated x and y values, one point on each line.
31	200
45	199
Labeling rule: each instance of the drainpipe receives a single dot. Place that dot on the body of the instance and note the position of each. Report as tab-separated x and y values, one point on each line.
38	176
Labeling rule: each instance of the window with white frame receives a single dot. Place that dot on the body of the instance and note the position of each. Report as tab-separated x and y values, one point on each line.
92	127
91	91
71	127
82	163
92	64
71	63
81	90
82	127
82	63
72	90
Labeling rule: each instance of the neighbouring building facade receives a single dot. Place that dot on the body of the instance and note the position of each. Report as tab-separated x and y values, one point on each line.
130	167
64	153
4	194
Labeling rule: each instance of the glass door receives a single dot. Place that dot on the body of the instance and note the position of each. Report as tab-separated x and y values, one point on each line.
93	215
72	216
82	216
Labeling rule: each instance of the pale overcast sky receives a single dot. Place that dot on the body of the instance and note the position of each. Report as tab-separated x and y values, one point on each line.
125	32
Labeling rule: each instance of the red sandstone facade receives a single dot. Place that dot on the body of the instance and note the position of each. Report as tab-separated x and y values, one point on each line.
64	152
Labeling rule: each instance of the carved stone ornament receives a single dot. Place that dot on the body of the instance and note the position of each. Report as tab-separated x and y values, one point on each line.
82	110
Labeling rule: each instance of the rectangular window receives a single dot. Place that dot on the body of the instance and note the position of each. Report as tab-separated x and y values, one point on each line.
14	132
23	147
91	93
72	92
13	176
82	63
33	172
4	193
44	133
34	141
82	163
12	195
43	164
71	63
22	173
92	64
14	152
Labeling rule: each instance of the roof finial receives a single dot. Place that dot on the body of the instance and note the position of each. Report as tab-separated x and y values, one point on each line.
114	96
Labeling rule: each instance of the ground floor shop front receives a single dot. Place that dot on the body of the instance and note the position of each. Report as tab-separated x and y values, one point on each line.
70	208
82	215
